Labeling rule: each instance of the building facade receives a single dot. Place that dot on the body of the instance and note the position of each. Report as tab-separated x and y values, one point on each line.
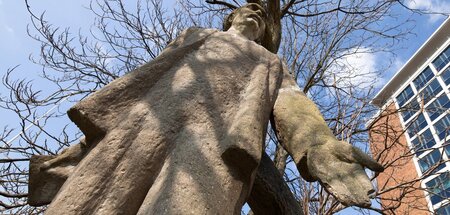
411	132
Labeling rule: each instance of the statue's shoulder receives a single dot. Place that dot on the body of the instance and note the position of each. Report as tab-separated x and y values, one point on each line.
198	32
191	35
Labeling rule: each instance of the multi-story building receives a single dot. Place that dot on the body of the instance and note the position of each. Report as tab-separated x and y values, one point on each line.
411	132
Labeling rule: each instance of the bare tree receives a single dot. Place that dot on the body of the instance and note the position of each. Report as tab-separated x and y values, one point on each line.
315	38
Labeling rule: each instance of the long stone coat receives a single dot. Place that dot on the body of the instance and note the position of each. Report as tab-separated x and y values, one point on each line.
183	134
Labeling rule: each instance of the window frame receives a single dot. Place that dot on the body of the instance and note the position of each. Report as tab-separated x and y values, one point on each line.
439	100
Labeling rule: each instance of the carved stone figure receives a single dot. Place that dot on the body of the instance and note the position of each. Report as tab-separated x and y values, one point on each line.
184	134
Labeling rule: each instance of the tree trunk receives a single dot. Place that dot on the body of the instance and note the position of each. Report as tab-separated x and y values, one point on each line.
270	194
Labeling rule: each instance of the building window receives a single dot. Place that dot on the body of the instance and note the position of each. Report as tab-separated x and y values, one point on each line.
417	125
439	188
431	159
444	210
446	76
410	109
405	96
431	91
423	78
443	127
423	142
438	107
442	59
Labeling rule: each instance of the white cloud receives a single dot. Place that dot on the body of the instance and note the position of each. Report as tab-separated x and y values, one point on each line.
392	68
434	6
357	68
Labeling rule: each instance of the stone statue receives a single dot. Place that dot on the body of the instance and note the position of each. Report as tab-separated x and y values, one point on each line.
184	134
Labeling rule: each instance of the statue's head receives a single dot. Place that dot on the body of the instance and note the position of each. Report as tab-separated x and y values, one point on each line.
249	19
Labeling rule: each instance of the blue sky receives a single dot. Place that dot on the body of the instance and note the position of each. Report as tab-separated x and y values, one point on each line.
15	43
16	46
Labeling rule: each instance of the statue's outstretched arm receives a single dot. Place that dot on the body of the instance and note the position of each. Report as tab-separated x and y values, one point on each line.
319	156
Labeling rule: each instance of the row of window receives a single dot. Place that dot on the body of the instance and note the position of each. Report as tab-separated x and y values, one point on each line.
427	86
424	77
434	109
441	192
427	94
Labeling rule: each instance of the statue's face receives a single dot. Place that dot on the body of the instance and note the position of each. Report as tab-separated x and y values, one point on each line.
249	18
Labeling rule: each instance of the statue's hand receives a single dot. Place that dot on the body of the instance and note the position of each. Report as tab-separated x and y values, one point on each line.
339	167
